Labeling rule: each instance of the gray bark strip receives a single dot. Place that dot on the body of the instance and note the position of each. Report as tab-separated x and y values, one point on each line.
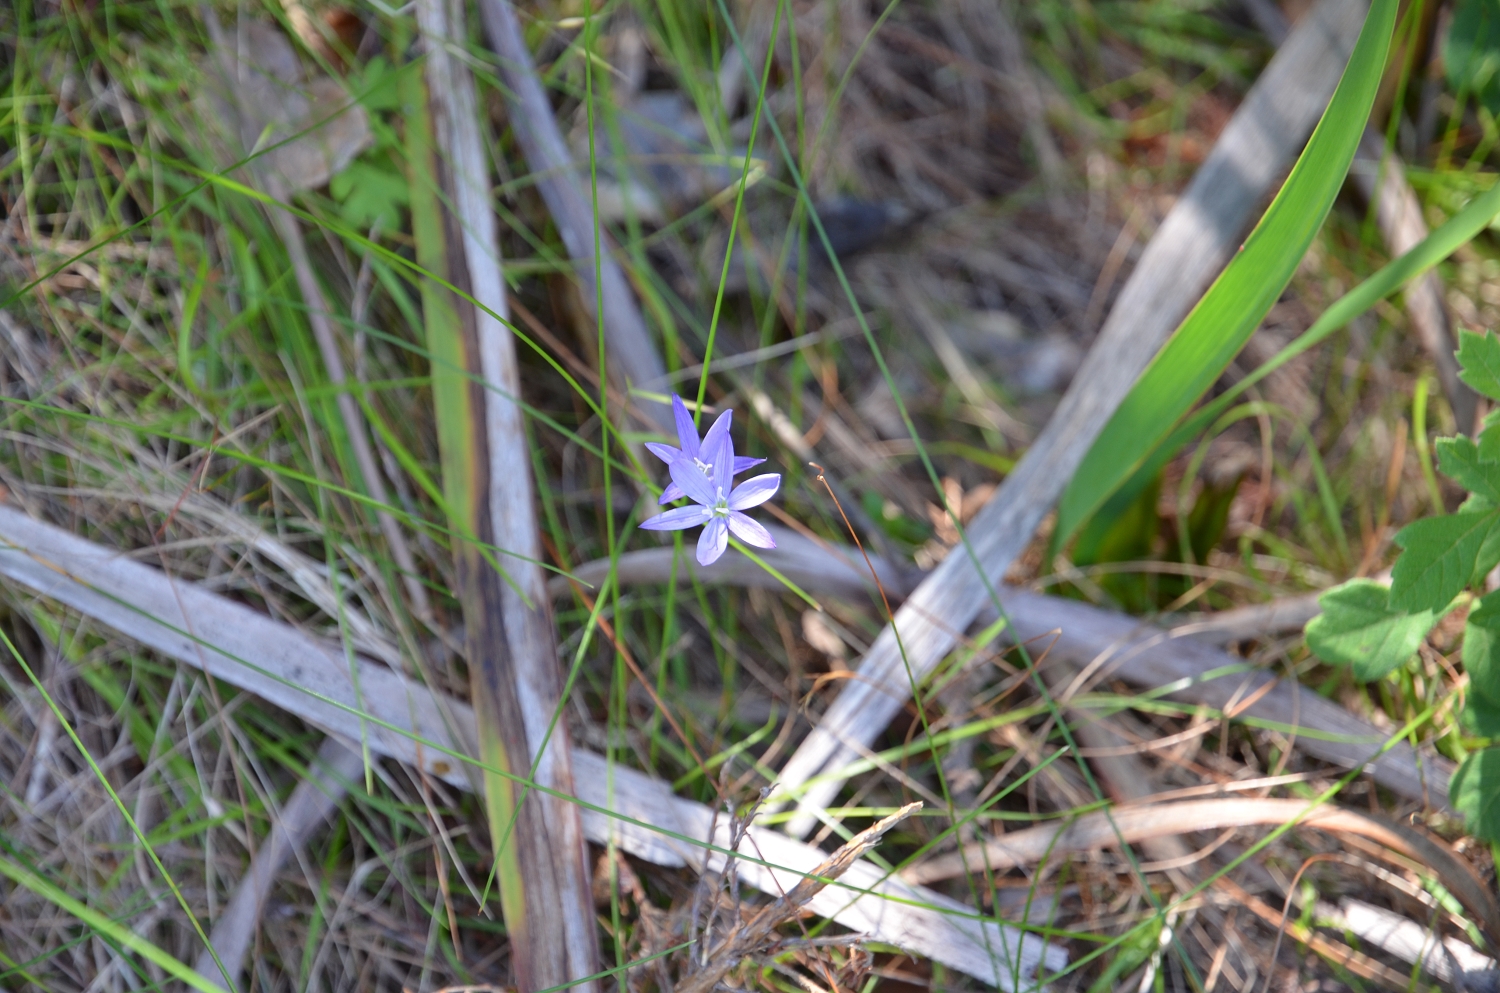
631	353
403	720
558	942
1189	249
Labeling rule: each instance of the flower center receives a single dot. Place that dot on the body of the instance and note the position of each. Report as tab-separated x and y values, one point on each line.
704	467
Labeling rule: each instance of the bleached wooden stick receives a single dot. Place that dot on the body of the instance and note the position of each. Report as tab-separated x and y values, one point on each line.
407	722
1188	249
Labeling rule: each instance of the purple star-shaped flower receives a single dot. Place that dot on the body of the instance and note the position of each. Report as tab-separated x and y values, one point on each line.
717	505
692	449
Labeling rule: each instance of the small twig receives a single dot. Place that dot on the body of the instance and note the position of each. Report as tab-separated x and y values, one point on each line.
822	478
1340	954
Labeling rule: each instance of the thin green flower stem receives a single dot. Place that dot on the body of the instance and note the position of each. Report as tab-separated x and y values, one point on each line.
739	203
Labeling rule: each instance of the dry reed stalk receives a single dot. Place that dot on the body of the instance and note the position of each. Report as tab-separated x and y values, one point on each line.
1134	824
516	687
1340	954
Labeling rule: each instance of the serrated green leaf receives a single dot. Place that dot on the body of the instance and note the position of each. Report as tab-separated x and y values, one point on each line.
1459	460
1482	648
1359	628
1479	362
379	86
1440	559
1474	792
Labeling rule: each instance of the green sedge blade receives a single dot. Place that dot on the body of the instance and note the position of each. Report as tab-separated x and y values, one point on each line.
1231	310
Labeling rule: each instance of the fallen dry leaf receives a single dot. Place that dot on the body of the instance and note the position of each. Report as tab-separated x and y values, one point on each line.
256	97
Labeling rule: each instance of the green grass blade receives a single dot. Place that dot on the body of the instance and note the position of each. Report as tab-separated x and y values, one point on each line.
102	924
1213	333
1390	278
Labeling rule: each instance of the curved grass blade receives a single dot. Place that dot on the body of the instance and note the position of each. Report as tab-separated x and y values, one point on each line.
1457	232
103	925
1213	333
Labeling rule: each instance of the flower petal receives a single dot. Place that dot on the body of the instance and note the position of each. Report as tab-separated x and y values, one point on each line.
718	429
713	541
750	531
755	491
672	492
720	455
666	453
676	520
687	475
744	462
687	431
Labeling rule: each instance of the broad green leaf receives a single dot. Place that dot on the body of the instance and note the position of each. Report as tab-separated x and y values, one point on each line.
1482	648
1474	792
1460	461
1359	628
1440	558
1231	310
1471	52
1479	362
1481	717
